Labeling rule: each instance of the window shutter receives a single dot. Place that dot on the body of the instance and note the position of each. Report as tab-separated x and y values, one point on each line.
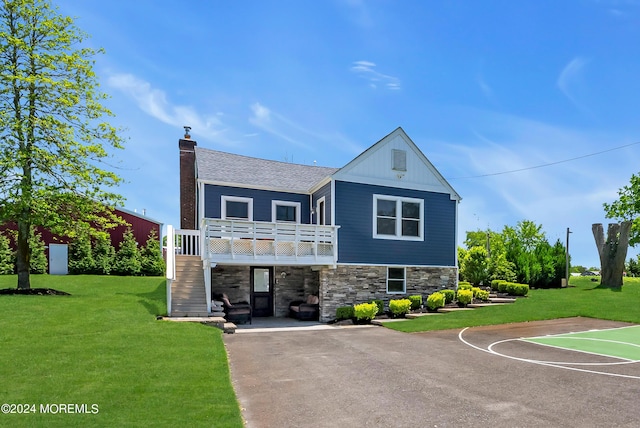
399	160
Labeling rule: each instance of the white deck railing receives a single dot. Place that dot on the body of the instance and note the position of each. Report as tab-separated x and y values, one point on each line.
238	241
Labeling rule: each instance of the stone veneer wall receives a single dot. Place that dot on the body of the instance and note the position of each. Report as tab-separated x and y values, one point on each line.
349	285
297	284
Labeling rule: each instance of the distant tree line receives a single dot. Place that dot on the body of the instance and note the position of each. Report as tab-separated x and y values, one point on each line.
518	254
93	256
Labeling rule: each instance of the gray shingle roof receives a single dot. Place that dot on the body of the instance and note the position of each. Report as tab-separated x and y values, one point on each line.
221	167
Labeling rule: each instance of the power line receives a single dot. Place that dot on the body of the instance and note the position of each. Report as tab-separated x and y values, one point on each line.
545	164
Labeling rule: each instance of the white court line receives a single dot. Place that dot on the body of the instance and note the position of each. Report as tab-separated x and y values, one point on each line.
542	363
594	330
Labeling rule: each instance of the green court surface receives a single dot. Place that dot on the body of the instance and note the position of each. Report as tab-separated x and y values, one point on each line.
621	342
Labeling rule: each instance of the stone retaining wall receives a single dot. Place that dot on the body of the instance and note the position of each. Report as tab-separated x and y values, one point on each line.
349	285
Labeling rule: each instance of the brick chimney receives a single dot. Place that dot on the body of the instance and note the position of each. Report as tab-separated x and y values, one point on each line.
187	181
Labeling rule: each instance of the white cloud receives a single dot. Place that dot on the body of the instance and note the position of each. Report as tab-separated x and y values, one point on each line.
366	70
154	102
569	77
288	130
568	194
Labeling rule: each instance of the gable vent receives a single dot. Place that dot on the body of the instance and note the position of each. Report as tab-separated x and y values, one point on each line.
399	158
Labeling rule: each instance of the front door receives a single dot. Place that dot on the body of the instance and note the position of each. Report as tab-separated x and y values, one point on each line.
262	291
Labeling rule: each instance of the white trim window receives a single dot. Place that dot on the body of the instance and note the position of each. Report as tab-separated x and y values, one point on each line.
285	212
398	218
236	208
396	280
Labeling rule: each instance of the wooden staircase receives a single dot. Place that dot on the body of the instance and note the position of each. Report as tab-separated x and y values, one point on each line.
188	297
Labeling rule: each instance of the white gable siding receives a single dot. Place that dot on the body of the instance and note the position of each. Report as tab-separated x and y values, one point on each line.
375	166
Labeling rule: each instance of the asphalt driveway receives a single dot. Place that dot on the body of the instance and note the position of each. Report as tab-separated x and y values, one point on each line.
374	377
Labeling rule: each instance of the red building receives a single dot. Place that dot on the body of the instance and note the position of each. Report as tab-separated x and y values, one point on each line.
56	247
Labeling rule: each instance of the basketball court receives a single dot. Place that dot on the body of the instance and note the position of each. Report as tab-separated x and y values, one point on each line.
565	372
577	344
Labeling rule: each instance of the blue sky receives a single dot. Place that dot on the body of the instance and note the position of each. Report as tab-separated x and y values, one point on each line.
482	87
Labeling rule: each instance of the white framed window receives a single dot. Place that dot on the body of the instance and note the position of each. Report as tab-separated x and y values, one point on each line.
236	208
398	218
285	212
396	280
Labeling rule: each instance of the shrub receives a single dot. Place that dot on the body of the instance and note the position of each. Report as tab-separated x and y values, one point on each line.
39	262
6	256
496	283
416	302
151	255
435	300
127	260
464	285
103	255
502	286
80	257
465	297
380	305
365	311
449	295
515	289
482	295
344	312
399	307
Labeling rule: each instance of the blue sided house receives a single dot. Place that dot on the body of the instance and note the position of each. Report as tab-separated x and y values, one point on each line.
271	233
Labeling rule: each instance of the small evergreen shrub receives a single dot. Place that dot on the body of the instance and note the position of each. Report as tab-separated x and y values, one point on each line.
38	262
151	255
502	286
416	302
103	255
515	289
128	261
6	256
481	295
80	258
463	285
435	300
495	284
365	311
380	305
399	307
344	313
464	297
449	295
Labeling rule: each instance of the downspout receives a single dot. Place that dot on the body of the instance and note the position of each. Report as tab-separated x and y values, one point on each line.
455	247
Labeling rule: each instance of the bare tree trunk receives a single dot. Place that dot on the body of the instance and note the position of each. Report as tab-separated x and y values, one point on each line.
612	252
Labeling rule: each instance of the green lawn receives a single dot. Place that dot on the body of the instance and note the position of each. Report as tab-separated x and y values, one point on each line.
581	298
103	346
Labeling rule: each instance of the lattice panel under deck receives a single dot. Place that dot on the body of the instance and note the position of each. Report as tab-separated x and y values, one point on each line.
219	246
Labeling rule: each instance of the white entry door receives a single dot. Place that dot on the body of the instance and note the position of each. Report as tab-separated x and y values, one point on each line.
58	259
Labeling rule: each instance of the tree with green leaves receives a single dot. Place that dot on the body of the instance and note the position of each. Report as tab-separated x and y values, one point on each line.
627	208
151	254
474	267
54	138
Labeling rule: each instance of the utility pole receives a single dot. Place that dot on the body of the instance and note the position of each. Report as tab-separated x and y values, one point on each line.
566	257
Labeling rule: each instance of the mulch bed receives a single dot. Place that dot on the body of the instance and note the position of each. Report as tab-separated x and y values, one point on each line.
34	292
